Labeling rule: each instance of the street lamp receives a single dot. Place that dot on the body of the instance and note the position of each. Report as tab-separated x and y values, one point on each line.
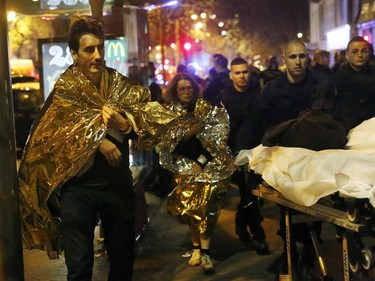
153	7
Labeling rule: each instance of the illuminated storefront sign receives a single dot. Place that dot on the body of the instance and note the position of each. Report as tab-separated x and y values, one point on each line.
56	58
67	4
338	38
115	49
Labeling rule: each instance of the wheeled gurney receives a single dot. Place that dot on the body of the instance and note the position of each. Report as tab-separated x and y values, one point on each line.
355	255
301	178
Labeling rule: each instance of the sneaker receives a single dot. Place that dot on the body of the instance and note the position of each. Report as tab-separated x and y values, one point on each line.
261	247
195	258
207	265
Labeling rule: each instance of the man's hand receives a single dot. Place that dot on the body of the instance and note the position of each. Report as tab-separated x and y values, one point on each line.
115	120
110	152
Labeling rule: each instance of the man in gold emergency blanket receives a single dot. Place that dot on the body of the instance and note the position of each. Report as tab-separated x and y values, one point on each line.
77	159
75	166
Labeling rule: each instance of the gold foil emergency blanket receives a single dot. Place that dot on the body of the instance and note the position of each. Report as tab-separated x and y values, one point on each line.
67	132
198	196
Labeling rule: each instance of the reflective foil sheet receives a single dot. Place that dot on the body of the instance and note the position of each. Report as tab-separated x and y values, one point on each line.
198	197
68	131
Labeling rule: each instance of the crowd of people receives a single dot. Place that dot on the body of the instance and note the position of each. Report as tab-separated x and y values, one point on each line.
85	166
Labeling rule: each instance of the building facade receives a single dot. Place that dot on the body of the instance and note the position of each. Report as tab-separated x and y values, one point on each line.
334	22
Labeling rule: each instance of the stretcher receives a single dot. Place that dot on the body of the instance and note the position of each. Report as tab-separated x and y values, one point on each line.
356	256
301	178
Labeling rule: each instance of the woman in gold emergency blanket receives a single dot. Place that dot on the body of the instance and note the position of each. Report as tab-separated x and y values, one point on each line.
195	150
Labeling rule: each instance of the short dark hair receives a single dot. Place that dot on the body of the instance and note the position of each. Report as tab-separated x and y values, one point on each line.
357	39
238	61
222	62
81	26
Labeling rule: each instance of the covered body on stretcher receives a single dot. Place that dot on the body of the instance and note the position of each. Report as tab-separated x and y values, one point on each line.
304	176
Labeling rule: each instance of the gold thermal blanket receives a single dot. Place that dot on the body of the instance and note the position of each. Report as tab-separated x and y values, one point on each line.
68	131
197	197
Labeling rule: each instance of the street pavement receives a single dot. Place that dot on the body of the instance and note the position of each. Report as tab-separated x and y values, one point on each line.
164	242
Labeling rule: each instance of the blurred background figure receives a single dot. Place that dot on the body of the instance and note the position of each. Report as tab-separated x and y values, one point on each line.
220	81
271	72
340	60
181	68
320	62
372	55
212	73
193	73
155	89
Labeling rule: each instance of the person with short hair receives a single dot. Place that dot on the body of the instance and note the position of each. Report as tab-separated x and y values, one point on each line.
221	79
283	99
355	83
238	98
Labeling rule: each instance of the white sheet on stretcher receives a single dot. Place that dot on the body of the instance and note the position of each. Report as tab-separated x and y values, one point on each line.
304	176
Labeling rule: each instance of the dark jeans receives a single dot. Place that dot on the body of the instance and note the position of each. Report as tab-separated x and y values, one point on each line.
80	207
248	210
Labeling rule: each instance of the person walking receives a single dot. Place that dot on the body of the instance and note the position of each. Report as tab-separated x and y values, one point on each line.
320	63
283	99
355	83
271	72
355	101
194	149
218	83
75	168
238	99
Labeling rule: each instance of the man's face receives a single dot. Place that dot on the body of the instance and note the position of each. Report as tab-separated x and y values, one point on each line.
240	75
295	59
90	56
324	60
358	54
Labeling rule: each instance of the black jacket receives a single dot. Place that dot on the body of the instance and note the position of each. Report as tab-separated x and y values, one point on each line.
355	101
238	105
280	101
215	86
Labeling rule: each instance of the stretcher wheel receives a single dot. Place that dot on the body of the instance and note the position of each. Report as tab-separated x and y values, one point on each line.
354	215
354	266
368	259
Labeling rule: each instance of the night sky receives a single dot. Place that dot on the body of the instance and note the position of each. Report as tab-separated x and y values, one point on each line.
274	21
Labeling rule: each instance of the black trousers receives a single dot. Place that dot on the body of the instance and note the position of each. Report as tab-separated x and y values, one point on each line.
80	206
248	210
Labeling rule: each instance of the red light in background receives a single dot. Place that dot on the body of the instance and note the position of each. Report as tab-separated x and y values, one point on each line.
366	37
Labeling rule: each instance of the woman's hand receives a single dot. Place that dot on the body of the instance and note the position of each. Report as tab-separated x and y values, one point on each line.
194	130
113	119
196	169
111	153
